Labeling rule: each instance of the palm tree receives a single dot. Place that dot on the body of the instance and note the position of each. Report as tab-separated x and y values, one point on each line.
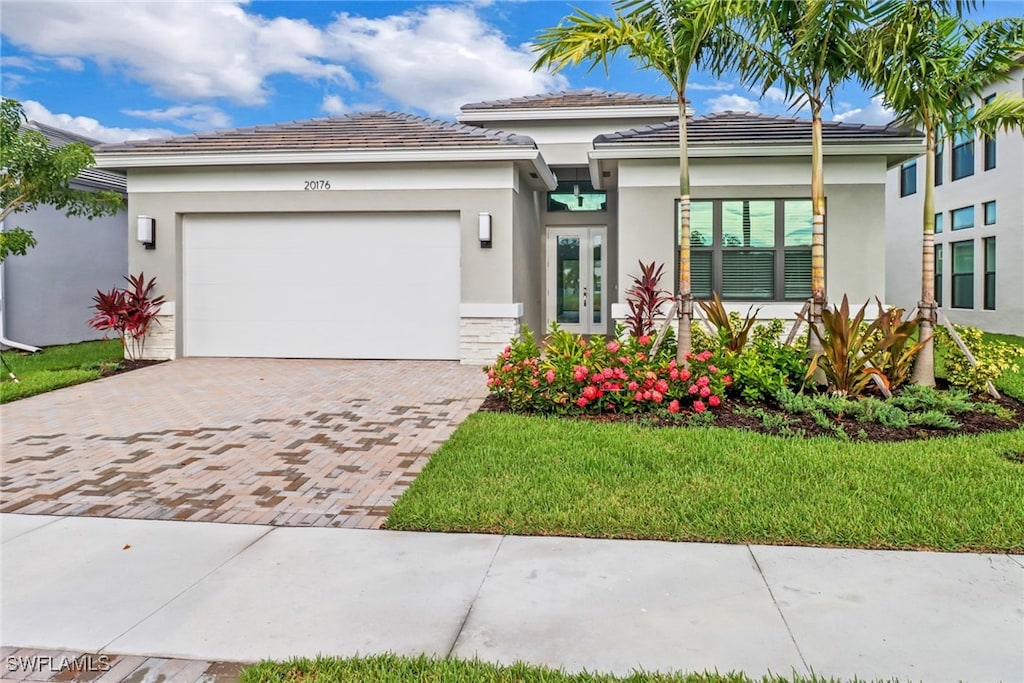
669	36
931	67
807	46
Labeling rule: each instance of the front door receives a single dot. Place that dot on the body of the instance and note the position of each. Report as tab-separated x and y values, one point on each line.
575	276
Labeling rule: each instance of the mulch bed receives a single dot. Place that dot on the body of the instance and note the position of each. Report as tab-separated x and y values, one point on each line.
128	366
736	414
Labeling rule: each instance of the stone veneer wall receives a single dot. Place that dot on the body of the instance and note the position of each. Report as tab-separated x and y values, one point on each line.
485	329
160	343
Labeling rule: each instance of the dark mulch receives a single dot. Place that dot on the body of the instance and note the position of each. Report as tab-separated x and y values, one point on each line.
127	366
738	415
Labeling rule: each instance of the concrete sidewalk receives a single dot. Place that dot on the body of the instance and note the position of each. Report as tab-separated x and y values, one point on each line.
230	592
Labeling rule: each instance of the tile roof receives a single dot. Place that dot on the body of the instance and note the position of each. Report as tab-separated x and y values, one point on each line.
93	177
361	131
730	126
572	98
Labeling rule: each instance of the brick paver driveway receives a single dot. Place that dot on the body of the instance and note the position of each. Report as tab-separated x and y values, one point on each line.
257	441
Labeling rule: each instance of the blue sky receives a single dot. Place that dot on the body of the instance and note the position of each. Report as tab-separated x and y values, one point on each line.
121	70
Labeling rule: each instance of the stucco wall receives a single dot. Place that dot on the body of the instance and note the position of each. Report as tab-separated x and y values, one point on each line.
1005	185
855	195
169	194
528	268
48	291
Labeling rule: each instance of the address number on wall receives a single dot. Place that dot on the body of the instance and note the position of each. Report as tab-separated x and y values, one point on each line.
317	184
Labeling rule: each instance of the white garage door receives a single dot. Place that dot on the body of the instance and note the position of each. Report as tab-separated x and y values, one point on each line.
322	285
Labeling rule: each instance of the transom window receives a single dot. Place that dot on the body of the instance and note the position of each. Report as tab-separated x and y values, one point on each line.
575	192
750	249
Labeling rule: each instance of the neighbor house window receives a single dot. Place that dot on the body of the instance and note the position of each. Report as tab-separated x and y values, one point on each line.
990	212
938	274
961	219
990	144
990	273
908	178
940	147
963	156
938	223
963	274
750	249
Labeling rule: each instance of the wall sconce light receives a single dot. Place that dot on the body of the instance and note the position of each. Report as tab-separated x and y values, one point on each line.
485	230
147	231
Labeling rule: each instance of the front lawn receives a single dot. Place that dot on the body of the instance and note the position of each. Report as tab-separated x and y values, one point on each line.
396	669
57	366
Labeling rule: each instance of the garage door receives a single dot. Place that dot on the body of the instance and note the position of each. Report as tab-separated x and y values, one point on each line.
321	285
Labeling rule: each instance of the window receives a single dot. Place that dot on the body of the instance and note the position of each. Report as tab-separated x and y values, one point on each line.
990	212
939	149
575	192
990	273
963	156
938	223
908	178
990	145
938	274
961	219
963	274
754	249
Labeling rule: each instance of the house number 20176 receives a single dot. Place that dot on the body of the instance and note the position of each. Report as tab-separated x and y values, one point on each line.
318	184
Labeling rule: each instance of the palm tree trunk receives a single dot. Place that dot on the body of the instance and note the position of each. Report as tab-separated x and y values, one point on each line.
685	342
818	299
924	367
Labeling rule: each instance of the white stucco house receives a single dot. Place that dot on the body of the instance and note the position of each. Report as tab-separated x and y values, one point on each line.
388	235
979	227
46	295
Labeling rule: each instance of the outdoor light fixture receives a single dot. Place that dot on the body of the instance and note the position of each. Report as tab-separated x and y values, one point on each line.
485	230
147	231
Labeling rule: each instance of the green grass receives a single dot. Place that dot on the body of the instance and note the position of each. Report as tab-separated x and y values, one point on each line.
395	669
517	474
55	367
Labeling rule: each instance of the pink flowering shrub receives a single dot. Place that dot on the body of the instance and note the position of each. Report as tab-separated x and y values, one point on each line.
576	376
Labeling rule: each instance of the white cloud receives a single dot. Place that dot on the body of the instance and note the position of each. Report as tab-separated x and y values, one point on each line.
875	113
89	127
69	63
773	94
717	86
15	62
181	49
733	102
334	105
192	117
448	56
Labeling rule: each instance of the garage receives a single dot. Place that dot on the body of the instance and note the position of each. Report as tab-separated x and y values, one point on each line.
325	285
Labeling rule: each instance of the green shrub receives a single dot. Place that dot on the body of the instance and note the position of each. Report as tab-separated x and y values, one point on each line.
934	418
917	397
994	358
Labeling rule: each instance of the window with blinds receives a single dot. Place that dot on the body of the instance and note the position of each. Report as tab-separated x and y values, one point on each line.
750	250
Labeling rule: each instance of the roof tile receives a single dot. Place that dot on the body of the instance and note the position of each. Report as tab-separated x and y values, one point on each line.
364	130
571	98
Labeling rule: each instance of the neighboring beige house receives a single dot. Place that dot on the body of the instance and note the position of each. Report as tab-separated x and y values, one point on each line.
386	235
979	225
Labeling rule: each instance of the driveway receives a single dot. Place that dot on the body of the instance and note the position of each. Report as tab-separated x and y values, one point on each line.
254	441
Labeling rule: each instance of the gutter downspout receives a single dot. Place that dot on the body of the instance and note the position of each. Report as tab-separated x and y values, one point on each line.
4	341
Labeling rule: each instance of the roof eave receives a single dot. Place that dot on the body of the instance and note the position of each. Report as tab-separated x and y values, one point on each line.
122	161
664	150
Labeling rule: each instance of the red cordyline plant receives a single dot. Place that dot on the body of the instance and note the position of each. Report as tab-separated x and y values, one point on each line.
645	299
128	311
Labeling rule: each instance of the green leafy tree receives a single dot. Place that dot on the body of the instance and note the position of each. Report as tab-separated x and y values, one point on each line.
32	173
668	36
806	46
932	67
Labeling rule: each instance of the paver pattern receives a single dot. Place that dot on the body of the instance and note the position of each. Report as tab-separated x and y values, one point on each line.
25	664
254	441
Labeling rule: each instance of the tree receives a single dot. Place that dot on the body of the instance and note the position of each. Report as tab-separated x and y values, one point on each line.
807	46
931	68
668	36
32	174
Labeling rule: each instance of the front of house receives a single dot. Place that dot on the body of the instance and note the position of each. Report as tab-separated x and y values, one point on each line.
385	235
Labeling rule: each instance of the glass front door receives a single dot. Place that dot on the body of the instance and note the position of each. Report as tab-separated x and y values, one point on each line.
575	277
